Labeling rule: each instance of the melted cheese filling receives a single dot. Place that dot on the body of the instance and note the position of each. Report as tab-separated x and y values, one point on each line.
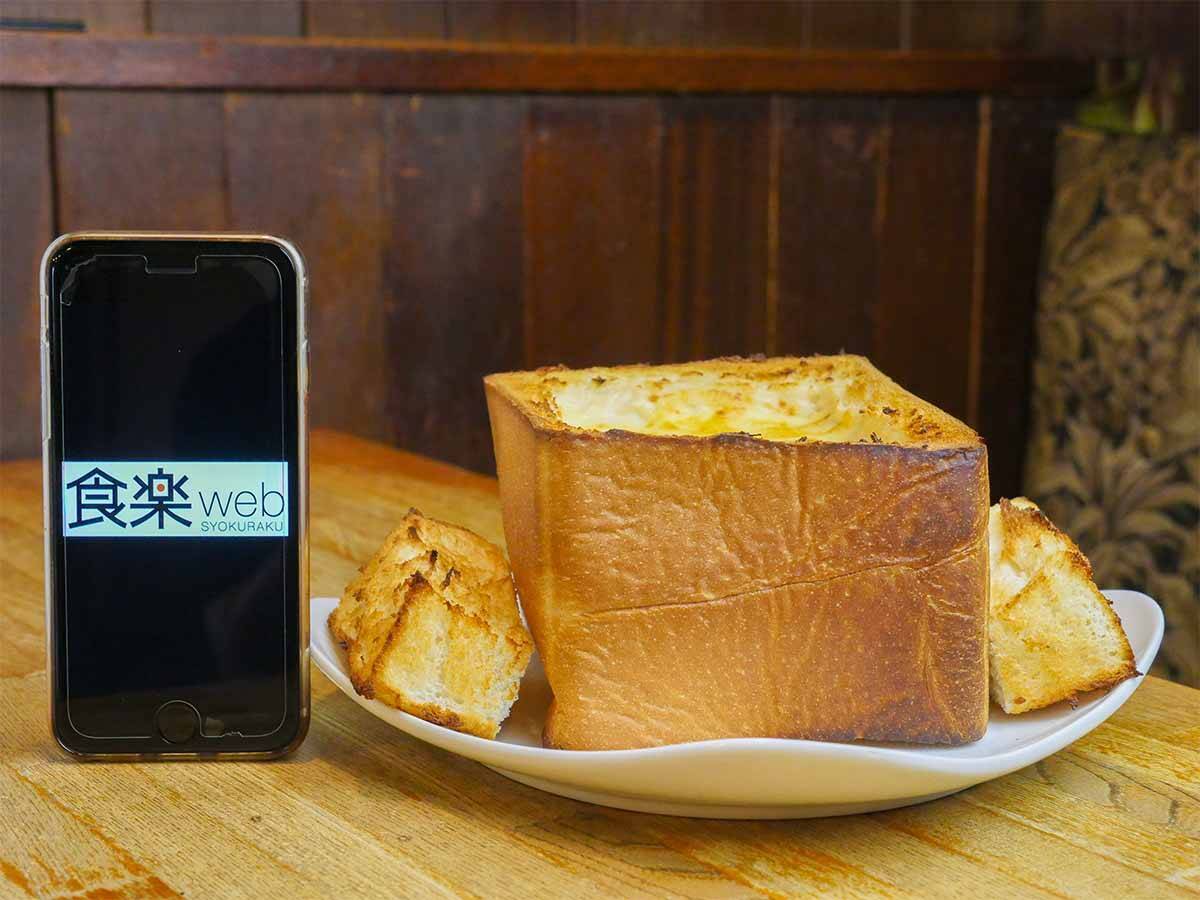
703	403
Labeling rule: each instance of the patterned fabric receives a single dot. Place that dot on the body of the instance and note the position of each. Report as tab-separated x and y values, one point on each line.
1114	451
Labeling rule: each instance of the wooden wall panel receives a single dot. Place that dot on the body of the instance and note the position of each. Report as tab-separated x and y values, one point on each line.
686	23
453	235
855	24
515	21
452	293
98	16
25	230
715	235
633	23
592	195
308	168
1097	28
972	25
1019	170
1163	27
408	20
926	249
756	23
262	17
832	169
140	160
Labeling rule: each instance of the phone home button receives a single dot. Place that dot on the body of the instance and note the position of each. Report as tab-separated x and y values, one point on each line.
177	721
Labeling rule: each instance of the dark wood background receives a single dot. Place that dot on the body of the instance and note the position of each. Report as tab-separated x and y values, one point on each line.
1094	27
450	234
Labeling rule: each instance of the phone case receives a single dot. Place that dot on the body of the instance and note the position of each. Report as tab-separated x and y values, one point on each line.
297	261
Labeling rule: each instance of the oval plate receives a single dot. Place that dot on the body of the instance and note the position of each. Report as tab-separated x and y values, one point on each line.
761	778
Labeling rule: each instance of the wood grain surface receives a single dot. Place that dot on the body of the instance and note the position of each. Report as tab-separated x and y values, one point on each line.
995	24
862	24
1014	186
715	226
593	202
831	186
310	167
451	234
453	263
364	809
1097	27
1164	30
24	186
404	19
278	17
511	21
633	24
29	59
168	179
923	318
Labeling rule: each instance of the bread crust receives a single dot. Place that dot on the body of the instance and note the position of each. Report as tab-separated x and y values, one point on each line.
684	587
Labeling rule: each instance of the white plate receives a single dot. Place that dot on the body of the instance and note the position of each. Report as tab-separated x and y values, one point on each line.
761	778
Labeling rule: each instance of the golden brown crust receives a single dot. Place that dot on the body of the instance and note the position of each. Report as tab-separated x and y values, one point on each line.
658	572
781	662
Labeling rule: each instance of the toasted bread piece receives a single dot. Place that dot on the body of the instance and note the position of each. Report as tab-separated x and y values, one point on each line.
399	548
382	598
455	655
789	547
1053	635
431	626
406	550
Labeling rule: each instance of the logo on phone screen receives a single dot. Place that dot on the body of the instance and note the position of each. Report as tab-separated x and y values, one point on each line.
174	499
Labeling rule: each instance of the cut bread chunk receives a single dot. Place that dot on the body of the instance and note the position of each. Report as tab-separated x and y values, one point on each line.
414	545
792	547
383	597
431	626
1053	635
449	665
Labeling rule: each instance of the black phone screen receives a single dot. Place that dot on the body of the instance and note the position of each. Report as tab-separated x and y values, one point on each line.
175	507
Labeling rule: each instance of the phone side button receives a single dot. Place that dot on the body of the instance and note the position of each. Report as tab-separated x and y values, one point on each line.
306	357
45	352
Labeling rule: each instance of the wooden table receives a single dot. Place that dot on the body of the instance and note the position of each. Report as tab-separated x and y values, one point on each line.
362	808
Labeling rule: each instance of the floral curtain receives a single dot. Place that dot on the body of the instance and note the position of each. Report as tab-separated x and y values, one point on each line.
1114	454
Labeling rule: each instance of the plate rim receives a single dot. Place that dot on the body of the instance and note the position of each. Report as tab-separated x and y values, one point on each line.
691	809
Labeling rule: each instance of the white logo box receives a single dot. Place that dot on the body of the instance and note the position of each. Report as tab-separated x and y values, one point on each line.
165	498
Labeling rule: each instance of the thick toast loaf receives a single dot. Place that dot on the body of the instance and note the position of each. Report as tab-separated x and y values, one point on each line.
790	547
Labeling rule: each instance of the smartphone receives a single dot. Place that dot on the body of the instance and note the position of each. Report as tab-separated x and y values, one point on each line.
174	389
